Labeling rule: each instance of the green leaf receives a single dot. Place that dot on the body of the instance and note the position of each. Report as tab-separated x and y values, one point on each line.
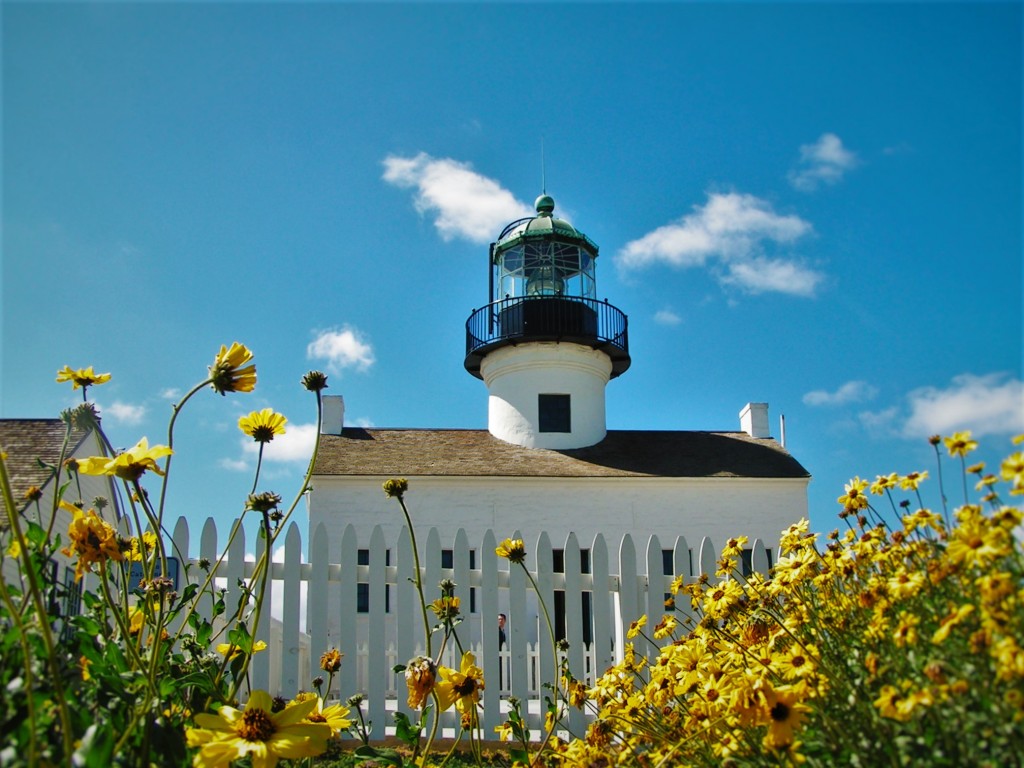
387	756
406	730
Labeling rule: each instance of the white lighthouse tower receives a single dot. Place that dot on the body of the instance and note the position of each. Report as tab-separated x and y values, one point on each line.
544	345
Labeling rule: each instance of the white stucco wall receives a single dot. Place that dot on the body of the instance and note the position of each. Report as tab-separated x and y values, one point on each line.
516	375
668	507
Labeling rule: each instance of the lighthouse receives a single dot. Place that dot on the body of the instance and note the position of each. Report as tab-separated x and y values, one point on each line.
544	344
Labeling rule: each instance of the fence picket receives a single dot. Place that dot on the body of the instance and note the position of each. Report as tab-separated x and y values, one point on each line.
291	604
388	628
316	600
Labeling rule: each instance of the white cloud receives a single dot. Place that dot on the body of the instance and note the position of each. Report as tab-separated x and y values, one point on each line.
171	393
235	465
824	162
850	392
465	203
667	317
987	405
885	422
296	444
733	228
342	349
761	275
125	413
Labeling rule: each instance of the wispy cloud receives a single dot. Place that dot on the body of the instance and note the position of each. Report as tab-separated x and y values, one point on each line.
825	161
125	413
850	392
296	444
171	393
235	465
463	202
344	348
667	317
987	405
730	233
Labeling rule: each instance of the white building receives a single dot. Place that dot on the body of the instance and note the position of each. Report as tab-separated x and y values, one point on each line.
546	348
34	448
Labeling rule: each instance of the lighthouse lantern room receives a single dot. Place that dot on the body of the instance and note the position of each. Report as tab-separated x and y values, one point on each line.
545	345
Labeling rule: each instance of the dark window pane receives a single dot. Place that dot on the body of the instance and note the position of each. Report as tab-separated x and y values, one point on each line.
447	558
362	598
554	413
666	563
363	557
584	561
746	562
558	560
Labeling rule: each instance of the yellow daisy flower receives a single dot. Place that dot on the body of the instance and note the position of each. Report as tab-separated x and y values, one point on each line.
231	650
92	540
960	443
227	373
261	426
461	687
512	549
129	465
81	377
258	733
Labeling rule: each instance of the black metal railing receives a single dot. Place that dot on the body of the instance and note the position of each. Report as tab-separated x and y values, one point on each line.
591	322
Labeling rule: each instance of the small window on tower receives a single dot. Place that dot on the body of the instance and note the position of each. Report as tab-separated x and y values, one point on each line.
554	413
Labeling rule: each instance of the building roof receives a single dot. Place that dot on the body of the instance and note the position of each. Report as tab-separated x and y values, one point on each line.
26	442
623	453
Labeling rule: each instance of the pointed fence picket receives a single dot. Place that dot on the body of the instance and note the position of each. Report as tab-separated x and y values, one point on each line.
314	604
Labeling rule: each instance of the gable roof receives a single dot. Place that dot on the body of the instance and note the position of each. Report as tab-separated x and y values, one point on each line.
26	441
623	453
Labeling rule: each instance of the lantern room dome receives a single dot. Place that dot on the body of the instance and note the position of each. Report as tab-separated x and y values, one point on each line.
543	225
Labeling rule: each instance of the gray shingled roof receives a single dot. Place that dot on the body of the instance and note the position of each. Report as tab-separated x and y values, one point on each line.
623	453
25	442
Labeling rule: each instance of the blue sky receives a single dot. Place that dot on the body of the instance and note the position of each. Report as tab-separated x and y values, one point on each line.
813	205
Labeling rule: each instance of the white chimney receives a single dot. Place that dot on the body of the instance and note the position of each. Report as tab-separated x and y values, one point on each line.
754	420
334	415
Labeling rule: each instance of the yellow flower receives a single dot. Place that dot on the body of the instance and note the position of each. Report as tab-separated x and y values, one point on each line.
147	546
785	711
335	716
92	539
513	549
231	650
854	497
227	373
911	481
1012	470
954	618
34	493
129	465
635	627
14	549
960	443
461	687
446	608
81	377
420	676
257	732
261	426
330	661
883	483
396	487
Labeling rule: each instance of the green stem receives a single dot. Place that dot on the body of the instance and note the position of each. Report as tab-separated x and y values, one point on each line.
41	613
417	579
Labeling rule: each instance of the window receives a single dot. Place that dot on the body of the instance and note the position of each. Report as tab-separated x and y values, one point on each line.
554	413
363	588
747	562
448	561
667	569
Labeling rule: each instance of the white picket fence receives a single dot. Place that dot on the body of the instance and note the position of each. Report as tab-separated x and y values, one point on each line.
315	605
